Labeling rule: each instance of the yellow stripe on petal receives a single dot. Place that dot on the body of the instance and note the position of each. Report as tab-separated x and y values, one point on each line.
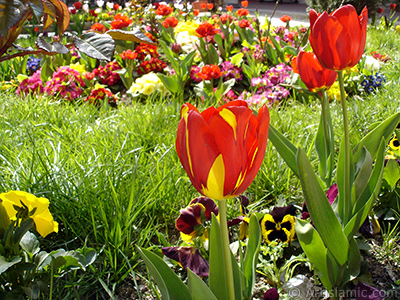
229	118
216	180
187	144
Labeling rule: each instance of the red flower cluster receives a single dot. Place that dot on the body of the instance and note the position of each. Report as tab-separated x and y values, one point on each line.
145	49
164	10
152	65
381	57
393	6
92	13
241	12
244	23
98	27
170	22
128	54
206	29
78	5
98	96
106	74
210	72
120	22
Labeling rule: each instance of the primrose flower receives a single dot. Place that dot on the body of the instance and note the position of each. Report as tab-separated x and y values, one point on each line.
31	85
229	71
338	39
372	82
209	72
221	149
164	10
65	82
279	224
206	29
120	21
147	85
24	205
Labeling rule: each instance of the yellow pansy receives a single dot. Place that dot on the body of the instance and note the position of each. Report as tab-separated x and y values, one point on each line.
38	210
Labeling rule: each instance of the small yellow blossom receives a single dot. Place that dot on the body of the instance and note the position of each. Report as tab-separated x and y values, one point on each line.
38	210
78	67
147	85
189	26
334	92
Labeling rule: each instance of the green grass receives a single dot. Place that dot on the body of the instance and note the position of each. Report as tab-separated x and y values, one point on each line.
114	180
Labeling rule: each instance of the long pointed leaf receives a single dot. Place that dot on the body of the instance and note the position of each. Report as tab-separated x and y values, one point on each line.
198	289
284	147
372	140
170	285
314	248
321	212
251	256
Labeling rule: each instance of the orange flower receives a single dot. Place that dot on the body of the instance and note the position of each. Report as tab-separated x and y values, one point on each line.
314	76
196	12
129	54
206	29
203	5
164	10
116	6
241	12
285	18
221	149
245	3
338	39
170	22
120	22
210	72
229	8
98	27
210	6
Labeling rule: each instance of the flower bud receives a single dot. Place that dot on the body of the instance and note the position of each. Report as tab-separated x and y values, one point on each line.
176	48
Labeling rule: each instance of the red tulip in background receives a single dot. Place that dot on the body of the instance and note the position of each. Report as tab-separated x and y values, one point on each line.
314	76
338	39
221	149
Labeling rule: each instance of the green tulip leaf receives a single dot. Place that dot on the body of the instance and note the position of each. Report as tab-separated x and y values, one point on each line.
321	212
237	278
217	278
284	147
251	256
364	167
237	59
314	248
372	140
391	174
170	285
170	83
198	289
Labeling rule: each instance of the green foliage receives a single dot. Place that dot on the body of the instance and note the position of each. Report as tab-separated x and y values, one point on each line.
331	5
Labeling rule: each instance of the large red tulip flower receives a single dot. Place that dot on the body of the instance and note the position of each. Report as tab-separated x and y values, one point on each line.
338	39
314	76
221	149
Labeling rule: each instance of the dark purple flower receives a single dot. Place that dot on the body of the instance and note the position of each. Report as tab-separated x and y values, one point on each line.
271	294
188	257
366	292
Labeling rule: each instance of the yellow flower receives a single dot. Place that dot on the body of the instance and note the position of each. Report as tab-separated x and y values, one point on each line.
334	92
147	85
78	67
398	28
38	210
189	26
105	16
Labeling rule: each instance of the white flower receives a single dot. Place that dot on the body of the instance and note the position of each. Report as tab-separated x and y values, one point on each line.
99	3
97	10
372	64
187	41
85	7
110	5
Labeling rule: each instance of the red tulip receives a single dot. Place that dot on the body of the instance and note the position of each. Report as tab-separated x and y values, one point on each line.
314	76
222	149
338	39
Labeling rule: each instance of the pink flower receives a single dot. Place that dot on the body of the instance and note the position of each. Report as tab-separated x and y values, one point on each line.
31	85
65	82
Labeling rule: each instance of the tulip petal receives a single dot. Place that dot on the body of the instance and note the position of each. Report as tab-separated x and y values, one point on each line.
216	179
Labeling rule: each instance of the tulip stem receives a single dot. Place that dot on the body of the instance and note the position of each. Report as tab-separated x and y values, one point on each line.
347	154
226	249
328	136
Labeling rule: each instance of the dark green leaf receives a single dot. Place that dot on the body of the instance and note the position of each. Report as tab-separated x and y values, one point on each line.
96	45
170	83
30	243
5	264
